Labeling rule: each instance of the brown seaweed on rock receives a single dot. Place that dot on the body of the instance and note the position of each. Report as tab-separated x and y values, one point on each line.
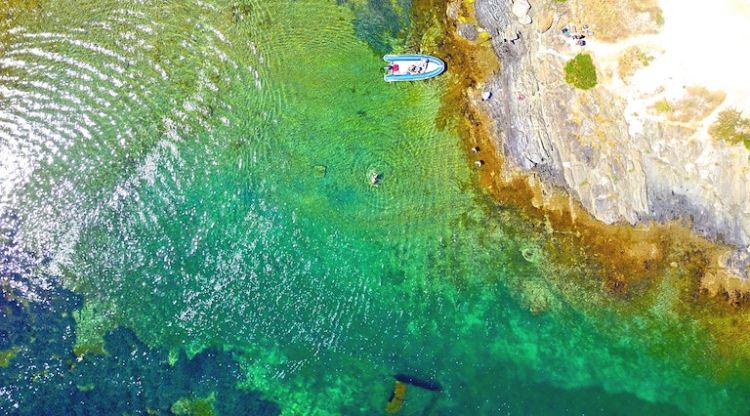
597	267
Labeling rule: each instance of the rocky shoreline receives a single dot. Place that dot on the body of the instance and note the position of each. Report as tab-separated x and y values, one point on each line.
585	142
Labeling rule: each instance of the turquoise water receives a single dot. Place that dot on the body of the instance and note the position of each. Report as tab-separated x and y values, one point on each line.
198	172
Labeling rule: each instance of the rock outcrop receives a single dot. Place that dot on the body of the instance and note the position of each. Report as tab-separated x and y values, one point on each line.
622	164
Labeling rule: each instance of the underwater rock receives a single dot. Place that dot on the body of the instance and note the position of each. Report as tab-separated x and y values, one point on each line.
321	170
379	22
45	378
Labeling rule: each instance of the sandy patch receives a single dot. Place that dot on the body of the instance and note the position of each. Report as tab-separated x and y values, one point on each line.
701	44
705	45
614	20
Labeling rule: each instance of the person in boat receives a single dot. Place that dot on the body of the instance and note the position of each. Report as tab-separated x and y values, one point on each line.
392	68
416	69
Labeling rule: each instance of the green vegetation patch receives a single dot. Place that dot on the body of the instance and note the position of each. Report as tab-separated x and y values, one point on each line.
662	106
580	72
658	17
86	387
644	58
6	356
731	127
194	407
93	320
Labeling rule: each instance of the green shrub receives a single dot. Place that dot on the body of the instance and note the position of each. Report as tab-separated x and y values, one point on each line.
643	57
663	106
731	127
580	72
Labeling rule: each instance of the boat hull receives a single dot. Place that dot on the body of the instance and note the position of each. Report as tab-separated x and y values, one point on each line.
432	67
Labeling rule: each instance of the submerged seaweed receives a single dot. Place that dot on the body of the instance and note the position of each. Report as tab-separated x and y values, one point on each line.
379	22
44	377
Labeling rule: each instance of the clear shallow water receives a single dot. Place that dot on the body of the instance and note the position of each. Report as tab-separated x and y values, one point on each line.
198	172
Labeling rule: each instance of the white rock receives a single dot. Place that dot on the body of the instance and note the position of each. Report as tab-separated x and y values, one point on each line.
521	8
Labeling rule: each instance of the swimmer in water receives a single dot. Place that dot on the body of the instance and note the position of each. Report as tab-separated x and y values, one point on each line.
375	178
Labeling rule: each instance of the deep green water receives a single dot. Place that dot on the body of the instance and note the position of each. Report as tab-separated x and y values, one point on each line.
197	171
